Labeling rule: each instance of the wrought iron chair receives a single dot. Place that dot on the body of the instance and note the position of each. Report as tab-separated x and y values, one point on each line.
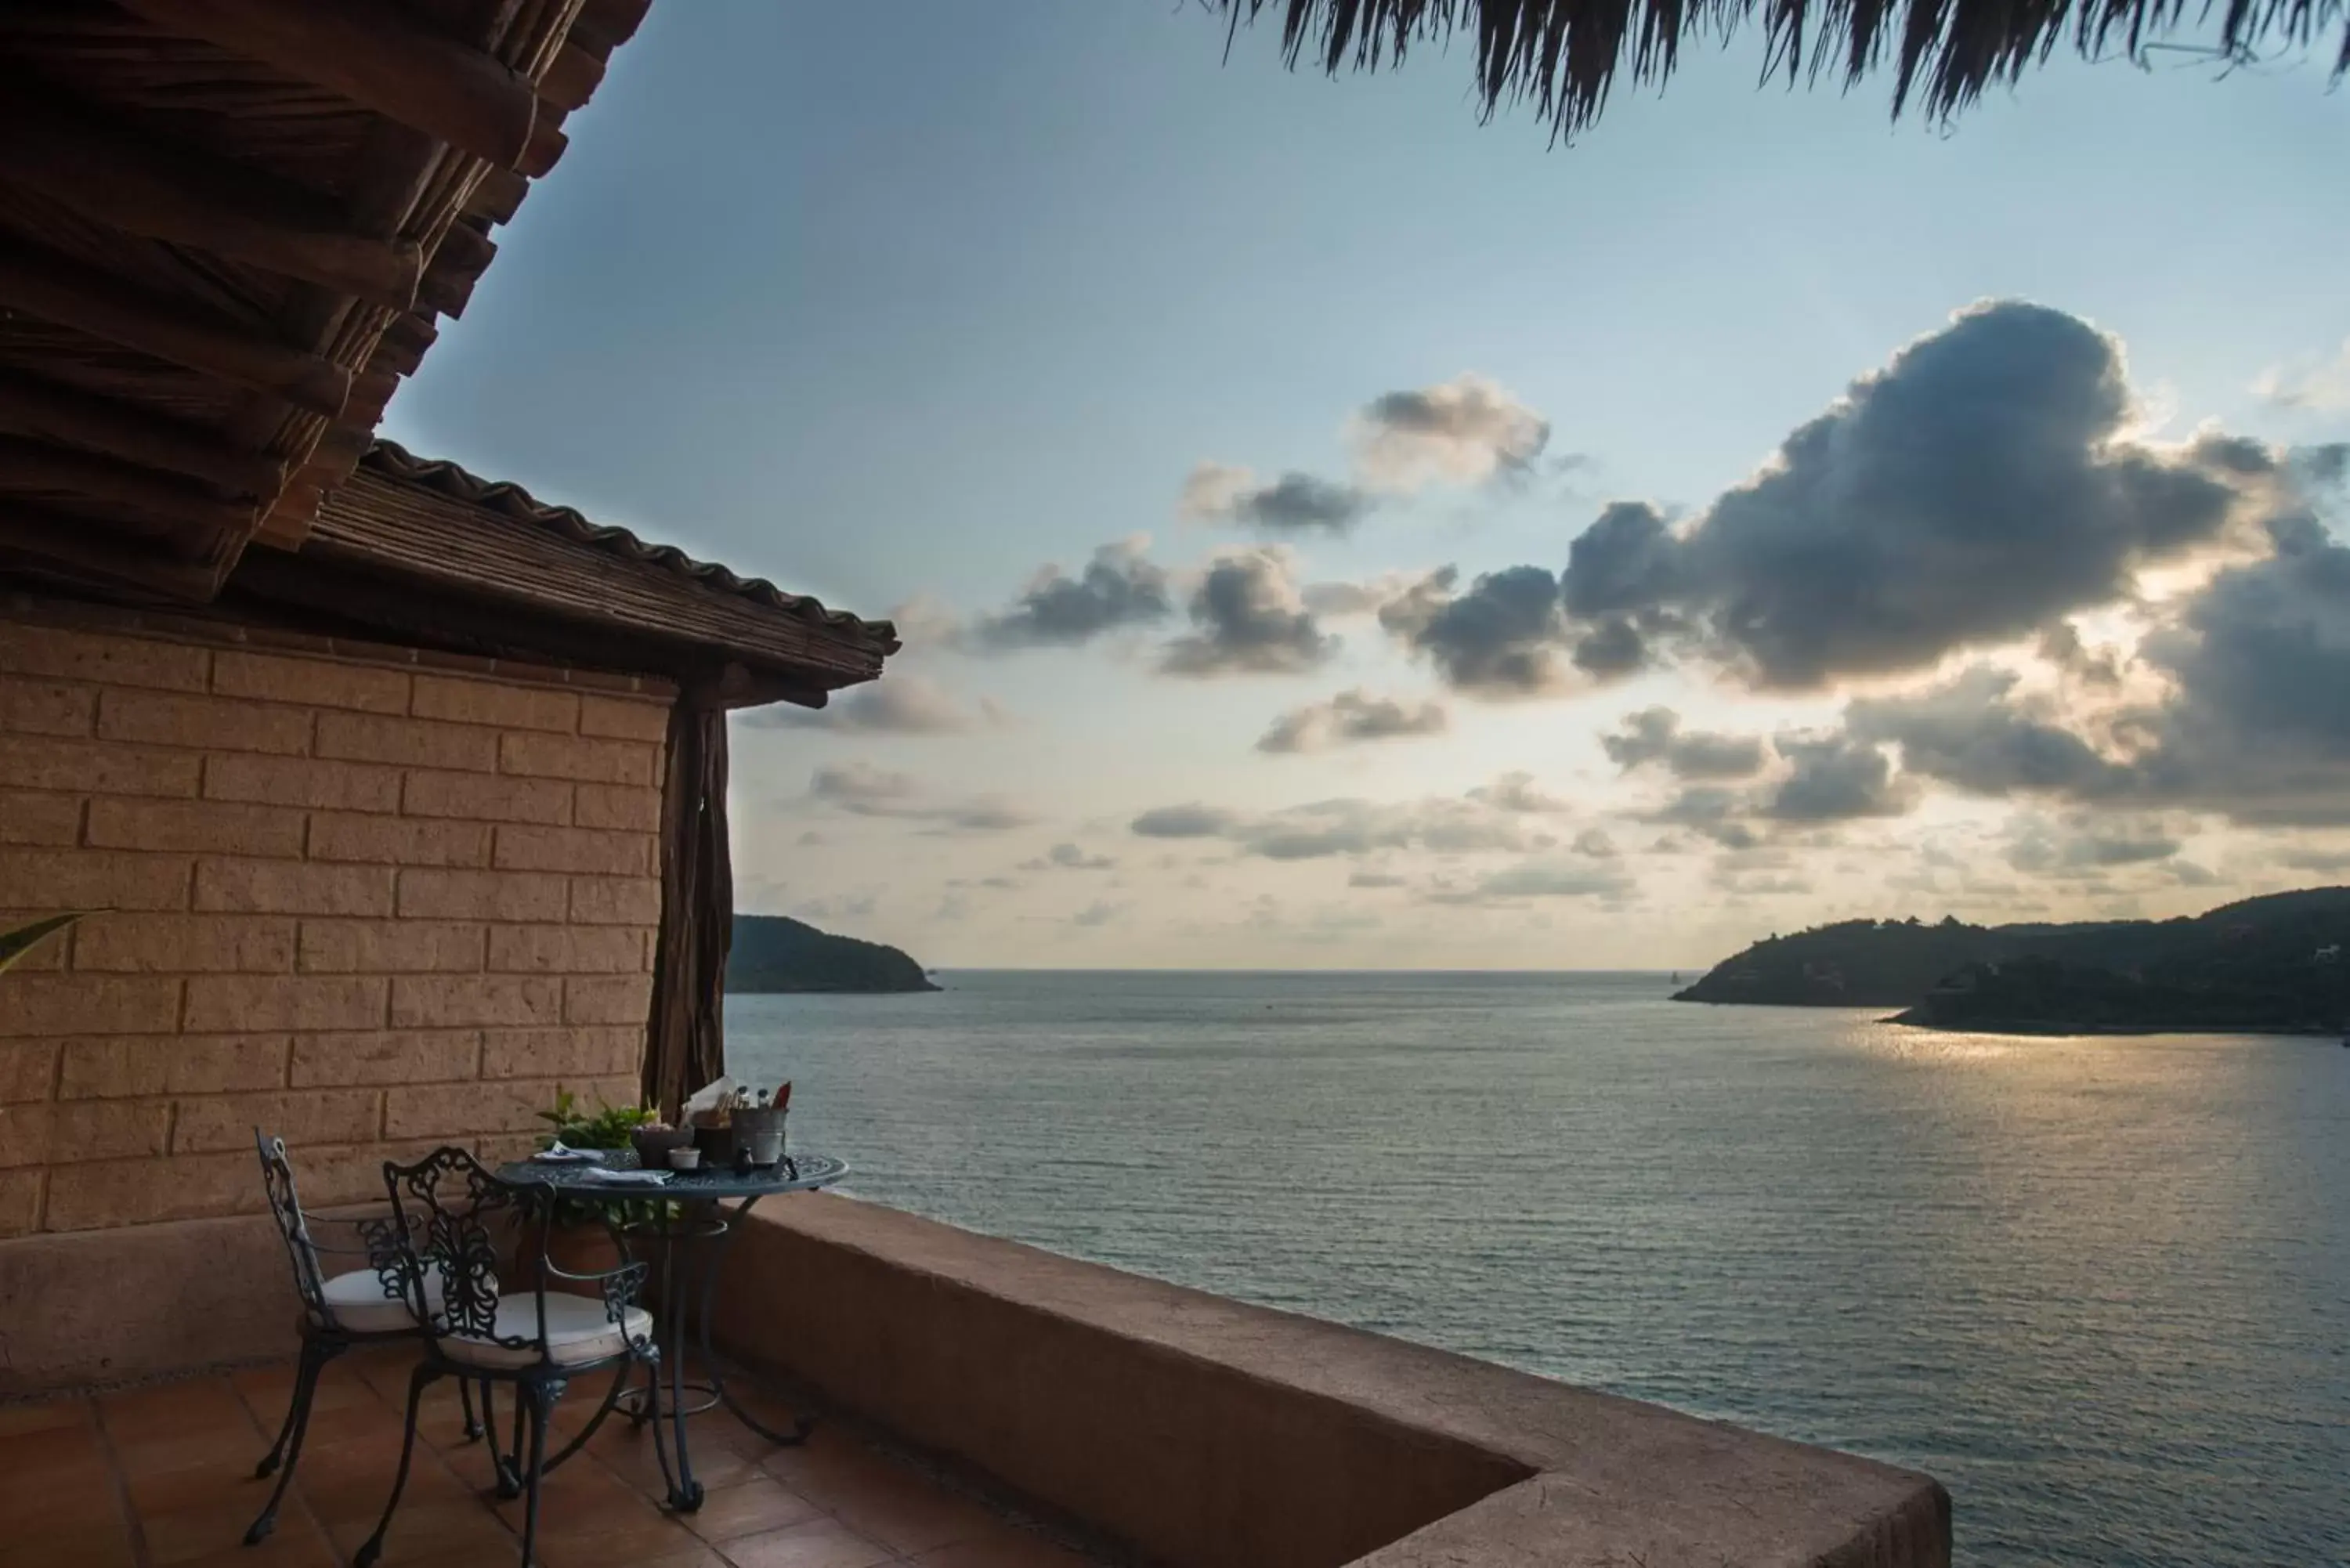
451	1215
339	1310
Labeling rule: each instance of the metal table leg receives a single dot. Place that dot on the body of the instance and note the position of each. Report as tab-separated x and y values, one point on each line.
801	1425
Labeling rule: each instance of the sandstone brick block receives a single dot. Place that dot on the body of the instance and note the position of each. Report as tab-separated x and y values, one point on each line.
220	1004
390	947
582	849
97	766
97	880
107	659
353	1173
216	828
454	1002
174	1064
26	817
566	950
320	682
569	1054
624	719
398	840
45	707
20	1201
615	999
216	723
380	1056
584	758
508	705
293	888
299	1117
183	944
52	1004
451	1110
409	743
620	806
139	1191
487	798
427	894
27	1069
616	901
73	1130
302	781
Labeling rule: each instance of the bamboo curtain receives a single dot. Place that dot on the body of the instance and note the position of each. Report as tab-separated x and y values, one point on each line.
687	1047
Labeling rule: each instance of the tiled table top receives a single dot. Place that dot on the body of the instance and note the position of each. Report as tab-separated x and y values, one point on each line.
163	1478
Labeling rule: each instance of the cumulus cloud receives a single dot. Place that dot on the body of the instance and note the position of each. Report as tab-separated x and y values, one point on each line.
1976	734
1462	431
863	790
1067	857
1380	880
894	705
1516	791
1248	617
1653	736
2320	383
1100	912
1120	588
1978	489
1348	719
1292	503
1835	779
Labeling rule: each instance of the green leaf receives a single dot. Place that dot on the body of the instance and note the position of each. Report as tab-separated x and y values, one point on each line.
15	944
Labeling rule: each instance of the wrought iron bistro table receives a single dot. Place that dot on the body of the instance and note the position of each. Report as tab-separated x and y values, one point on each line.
687	1211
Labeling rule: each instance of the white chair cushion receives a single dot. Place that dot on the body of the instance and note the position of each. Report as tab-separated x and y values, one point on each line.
578	1330
358	1304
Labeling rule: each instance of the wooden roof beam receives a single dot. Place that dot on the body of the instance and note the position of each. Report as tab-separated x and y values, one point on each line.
88	554
162	191
136	499
70	297
60	416
376	55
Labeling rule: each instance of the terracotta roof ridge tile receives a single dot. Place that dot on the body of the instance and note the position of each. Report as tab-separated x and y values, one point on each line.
396	461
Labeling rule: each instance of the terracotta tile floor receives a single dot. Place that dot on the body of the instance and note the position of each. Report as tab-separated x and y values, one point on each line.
161	1477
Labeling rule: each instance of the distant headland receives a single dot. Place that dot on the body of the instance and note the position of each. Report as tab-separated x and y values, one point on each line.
2272	964
773	953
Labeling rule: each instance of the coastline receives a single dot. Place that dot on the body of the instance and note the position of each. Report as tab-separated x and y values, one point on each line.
2043	1027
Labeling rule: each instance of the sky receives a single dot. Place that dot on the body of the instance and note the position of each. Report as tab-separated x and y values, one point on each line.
1332	529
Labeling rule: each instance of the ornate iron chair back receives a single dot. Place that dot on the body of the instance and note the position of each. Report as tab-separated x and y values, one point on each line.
460	1221
286	1208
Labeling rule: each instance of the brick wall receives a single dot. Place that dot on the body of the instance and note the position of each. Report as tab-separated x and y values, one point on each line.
367	904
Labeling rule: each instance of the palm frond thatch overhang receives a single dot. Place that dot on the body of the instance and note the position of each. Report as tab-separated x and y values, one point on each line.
1565	54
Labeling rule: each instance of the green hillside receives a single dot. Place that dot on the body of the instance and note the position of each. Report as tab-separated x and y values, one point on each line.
774	953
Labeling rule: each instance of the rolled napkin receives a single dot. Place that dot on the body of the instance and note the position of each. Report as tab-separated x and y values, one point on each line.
605	1173
558	1152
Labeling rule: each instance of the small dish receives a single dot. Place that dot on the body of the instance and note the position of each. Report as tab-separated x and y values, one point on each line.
685	1160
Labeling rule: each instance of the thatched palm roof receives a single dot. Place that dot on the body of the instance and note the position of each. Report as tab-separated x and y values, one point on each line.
1565	54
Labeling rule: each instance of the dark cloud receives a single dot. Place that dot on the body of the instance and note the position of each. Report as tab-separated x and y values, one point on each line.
1835	779
1654	735
1100	912
1120	588
1183	821
1380	880
1292	504
1516	792
1709	810
1501	639
1349	718
1976	734
1463	431
1249	619
1067	857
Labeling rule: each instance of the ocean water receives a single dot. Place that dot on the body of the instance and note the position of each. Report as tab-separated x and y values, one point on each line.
2099	1287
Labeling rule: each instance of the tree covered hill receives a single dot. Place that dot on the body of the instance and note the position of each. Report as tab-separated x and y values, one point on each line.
774	953
2273	962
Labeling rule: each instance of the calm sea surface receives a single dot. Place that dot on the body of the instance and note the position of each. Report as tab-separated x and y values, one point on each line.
2099	1287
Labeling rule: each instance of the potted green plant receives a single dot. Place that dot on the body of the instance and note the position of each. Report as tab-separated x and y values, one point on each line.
581	1241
